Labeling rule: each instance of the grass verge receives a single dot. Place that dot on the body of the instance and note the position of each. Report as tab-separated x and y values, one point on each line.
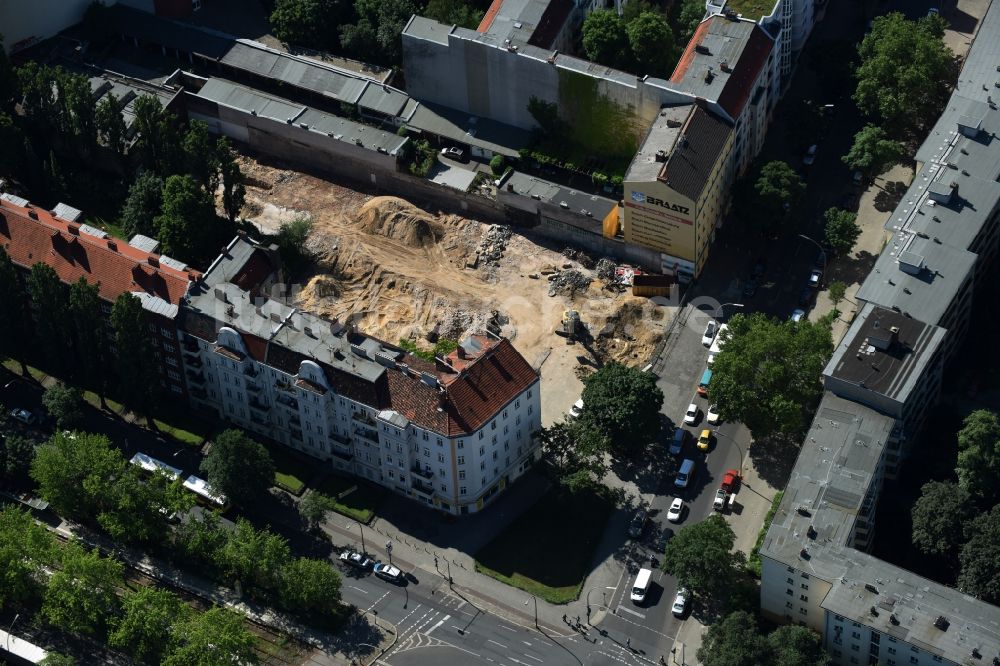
753	562
548	549
289	471
352	497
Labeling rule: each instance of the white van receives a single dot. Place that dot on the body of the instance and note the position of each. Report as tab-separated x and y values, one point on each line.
718	344
641	586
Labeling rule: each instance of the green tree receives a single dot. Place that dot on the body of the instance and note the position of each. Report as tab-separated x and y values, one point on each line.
133	507
111	125
841	230
234	191
56	659
978	466
497	165
792	645
311	23
940	517
74	473
216	637
575	451
768	375
291	241
187	225
11	138
375	36
39	104
780	195
158	139
701	556
56	187
254	557
79	111
313	508
149	617
199	538
8	81
690	15
81	595
201	160
733	641
623	405
25	549
454	12
65	404
980	558
137	376
50	302
238	466
18	454
652	44
90	336
873	151
905	72
310	588
14	335
836	290
605	39
144	203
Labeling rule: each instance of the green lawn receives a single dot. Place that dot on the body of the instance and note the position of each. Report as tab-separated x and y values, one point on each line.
289	471
753	562
353	497
548	550
15	368
751	9
95	400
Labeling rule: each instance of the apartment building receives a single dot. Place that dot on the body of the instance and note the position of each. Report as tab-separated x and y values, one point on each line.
881	382
677	186
451	434
30	235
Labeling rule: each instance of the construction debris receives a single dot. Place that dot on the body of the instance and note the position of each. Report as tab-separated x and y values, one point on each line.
578	255
606	270
494	243
568	282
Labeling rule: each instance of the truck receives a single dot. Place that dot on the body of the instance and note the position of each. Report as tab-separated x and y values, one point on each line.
706	378
723	496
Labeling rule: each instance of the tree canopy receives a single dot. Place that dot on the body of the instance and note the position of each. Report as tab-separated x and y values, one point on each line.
310	587
73	473
311	23
940	516
253	557
25	548
50	301
905	72
137	376
81	596
605	39
622	404
187	225
701	556
768	374
980	558
780	194
65	404
216	637
376	35
736	640
652	43
978	466
145	199
575	451
90	336
148	618
454	12
14	339
841	230
873	151
238	466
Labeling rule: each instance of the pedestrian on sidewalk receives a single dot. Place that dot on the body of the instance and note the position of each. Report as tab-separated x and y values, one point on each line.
628	642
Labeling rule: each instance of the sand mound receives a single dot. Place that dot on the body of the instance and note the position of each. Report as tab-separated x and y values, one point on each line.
397	219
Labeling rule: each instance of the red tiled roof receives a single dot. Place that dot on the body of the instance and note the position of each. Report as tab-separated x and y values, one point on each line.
31	235
689	52
491	14
253	272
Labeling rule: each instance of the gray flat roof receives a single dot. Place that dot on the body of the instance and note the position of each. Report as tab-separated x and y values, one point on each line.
172	34
421	27
873	356
556	194
662	136
472	130
516	19
263	105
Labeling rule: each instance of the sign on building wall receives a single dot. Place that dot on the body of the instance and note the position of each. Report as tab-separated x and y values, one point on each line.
659	218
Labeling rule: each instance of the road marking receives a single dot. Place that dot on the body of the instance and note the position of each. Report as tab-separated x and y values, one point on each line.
504	626
526	643
368	610
629	610
541	661
490	640
358	589
611	587
440	622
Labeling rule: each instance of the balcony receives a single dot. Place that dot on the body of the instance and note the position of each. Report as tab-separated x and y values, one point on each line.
285	386
190	345
259	420
259	406
193	361
250	371
424	473
199	393
367	433
288	403
364	418
422	489
296	433
253	387
197	378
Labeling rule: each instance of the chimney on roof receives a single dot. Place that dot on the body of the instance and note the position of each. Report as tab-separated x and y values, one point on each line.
73	229
112	245
661	156
460	351
32	214
702	49
709	75
893	335
724	66
153	261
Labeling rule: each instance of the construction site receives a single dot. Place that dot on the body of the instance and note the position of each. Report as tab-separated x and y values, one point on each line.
399	272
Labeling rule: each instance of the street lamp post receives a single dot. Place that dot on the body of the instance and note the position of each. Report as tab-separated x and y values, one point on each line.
362	528
822	252
719	310
603	596
535	599
388	550
10	629
737	444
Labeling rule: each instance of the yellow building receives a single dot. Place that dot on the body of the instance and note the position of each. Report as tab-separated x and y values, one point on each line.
676	187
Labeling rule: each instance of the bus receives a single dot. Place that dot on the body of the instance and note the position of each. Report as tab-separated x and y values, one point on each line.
150	464
204	492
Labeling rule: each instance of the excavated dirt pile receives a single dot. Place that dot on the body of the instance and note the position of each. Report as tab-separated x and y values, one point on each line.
399	220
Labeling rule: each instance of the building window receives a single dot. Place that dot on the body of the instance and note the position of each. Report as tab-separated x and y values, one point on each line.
856	648
425	436
493	425
494	455
482	450
803	597
855	634
444	488
789	592
440	457
461	490
427	453
440	443
891	650
804	586
461	461
505	413
791	581
802	611
392	475
788	604
461	475
914	660
461	444
517	404
481	434
482	466
169	347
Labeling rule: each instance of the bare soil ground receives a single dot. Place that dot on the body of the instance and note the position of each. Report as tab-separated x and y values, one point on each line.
401	272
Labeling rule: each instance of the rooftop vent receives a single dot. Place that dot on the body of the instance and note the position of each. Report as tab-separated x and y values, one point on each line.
802	511
871	588
804	554
942	623
709	75
811	532
563	204
893	620
661	156
873	611
702	49
672	122
724	66
910	262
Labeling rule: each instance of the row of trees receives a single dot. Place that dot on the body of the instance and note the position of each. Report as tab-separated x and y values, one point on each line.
959	522
83	477
736	640
641	44
68	330
86	594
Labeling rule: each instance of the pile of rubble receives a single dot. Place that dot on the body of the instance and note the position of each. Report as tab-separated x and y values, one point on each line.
606	270
568	282
493	243
578	255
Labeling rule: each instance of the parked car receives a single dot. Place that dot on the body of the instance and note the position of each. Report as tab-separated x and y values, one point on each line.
680	602
712	416
677	441
638	523
750	288
806	296
691	415
576	409
454	153
815	277
355	559
388	572
798	314
676	510
709	335
25	416
810	157
705	440
662	539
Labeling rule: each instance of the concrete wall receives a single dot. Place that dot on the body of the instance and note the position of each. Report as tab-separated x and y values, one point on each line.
23	23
